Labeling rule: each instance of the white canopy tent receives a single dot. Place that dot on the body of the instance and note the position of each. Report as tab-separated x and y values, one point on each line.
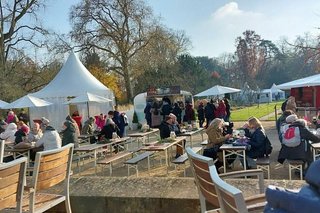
313	80
72	80
2	104
217	90
88	98
268	95
26	102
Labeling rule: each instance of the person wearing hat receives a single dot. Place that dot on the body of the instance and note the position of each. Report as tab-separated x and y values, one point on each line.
69	134
88	129
285	125
50	138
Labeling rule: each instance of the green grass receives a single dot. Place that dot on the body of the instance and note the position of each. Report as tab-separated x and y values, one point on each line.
256	111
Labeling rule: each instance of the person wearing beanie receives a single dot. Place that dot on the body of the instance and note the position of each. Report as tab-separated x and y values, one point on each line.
69	134
291	118
50	138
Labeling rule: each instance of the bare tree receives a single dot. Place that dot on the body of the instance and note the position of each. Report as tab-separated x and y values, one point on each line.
118	28
16	31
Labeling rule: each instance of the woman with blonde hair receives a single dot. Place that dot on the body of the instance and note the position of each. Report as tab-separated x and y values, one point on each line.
291	104
257	143
215	140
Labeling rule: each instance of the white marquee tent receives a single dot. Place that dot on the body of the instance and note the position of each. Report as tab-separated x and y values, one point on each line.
217	90
72	80
269	95
313	80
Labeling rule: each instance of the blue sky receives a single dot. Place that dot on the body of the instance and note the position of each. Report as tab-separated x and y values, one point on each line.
213	25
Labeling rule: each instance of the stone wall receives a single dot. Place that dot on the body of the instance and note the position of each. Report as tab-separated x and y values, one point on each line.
144	195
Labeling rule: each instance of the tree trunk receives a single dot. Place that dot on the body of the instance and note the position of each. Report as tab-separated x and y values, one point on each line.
127	82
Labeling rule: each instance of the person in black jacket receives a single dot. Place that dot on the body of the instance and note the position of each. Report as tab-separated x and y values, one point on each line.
303	150
200	114
209	112
255	132
177	111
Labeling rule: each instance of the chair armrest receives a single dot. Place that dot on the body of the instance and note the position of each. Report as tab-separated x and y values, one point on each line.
245	173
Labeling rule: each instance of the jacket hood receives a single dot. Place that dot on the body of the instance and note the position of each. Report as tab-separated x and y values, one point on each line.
69	126
12	126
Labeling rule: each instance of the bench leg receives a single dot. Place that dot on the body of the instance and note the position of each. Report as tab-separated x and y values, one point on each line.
110	169
128	170
148	165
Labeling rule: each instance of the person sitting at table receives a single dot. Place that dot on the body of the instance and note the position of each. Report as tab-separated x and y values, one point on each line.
215	140
177	131
282	121
108	129
8	134
285	125
303	150
88	129
50	139
75	125
11	117
78	119
257	140
166	127
69	134
21	133
3	126
100	121
35	134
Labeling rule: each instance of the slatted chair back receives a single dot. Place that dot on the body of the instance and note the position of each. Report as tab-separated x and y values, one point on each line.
51	168
12	179
230	198
2	142
200	167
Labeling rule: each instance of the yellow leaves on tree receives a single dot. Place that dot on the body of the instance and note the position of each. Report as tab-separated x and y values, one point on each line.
109	80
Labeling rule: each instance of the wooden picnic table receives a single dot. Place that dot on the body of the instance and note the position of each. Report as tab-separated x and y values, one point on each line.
142	135
163	147
229	149
192	133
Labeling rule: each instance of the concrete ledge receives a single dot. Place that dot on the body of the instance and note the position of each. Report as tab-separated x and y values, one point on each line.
117	194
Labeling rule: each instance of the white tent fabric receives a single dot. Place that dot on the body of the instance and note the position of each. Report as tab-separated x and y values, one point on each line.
217	90
2	104
27	101
72	80
88	97
313	80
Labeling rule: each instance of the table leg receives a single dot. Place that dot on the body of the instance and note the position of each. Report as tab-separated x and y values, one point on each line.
224	161
244	160
166	156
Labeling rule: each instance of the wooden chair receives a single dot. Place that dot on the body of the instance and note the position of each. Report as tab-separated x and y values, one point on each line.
206	188
12	179
230	198
50	168
2	142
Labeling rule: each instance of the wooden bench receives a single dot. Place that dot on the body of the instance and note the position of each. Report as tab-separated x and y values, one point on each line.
133	162
112	158
81	157
296	165
263	163
183	158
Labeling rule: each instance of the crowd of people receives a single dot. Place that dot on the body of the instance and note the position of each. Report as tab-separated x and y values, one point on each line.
15	130
206	111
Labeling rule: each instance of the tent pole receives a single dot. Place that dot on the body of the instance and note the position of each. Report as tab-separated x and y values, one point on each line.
88	109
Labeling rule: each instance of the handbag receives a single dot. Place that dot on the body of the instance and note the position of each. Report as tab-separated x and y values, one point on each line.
211	152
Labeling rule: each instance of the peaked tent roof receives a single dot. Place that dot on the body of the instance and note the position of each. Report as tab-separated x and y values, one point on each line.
3	103
313	80
27	101
72	80
217	90
88	97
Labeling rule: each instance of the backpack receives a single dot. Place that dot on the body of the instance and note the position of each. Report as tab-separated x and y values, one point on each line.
291	137
268	146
